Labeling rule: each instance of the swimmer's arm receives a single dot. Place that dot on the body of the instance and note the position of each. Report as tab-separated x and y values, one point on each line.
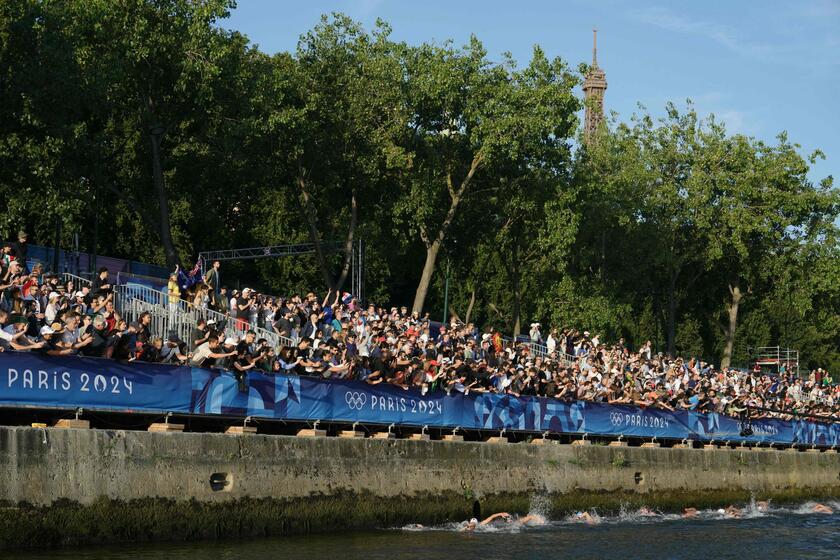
494	517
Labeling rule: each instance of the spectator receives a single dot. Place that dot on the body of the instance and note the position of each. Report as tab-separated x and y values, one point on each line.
174	291
21	249
212	280
200	334
206	353
101	284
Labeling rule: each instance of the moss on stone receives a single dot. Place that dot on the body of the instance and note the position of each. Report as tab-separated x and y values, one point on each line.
107	521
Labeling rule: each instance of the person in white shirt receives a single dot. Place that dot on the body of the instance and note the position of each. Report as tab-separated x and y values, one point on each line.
52	307
208	350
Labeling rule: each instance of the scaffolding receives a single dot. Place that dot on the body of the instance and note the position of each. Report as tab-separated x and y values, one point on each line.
775	358
288	250
357	257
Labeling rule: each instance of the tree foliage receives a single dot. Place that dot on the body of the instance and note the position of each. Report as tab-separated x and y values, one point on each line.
153	132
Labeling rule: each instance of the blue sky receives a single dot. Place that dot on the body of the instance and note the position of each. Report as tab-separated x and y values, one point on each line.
760	66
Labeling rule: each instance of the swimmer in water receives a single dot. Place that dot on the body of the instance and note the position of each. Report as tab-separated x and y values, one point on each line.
690	512
645	511
732	512
531	520
762	506
474	523
586	517
820	508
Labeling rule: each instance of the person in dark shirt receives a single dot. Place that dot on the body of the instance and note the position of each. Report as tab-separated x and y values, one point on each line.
126	346
101	284
21	249
100	344
241	364
144	333
199	335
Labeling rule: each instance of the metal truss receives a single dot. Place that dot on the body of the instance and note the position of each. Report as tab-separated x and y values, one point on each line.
265	252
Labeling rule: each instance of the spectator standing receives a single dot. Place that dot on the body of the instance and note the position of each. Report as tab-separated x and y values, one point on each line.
222	304
21	249
101	284
536	335
212	280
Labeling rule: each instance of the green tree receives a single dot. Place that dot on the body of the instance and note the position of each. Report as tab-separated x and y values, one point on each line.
469	117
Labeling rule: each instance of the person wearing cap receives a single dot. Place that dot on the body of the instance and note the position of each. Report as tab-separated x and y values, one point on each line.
171	348
79	302
51	343
207	352
53	307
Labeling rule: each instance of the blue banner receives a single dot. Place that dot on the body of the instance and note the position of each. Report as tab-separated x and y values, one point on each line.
28	379
35	380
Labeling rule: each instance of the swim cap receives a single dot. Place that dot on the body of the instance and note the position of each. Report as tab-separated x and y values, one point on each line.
474	520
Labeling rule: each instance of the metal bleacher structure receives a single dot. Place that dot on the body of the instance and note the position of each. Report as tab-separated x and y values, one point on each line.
132	299
135	292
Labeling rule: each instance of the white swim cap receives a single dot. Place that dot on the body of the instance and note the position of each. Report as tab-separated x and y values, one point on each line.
474	521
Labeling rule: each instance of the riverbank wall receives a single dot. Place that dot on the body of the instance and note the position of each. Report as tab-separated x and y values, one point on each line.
79	486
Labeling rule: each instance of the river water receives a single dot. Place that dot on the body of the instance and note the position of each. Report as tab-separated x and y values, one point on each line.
783	533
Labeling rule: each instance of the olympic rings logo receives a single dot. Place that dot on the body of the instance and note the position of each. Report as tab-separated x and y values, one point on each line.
354	400
616	418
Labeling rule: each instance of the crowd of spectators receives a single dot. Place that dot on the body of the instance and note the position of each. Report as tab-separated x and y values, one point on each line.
335	337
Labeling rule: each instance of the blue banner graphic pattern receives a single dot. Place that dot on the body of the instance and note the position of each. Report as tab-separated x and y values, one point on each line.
39	381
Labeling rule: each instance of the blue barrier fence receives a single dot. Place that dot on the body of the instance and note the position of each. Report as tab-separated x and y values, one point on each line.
32	380
78	262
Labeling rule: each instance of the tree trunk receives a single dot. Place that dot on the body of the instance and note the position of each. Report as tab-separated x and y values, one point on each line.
729	332
517	309
516	285
470	307
348	244
164	225
671	334
433	246
426	277
311	218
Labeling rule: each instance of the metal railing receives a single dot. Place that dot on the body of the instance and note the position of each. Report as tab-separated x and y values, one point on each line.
163	320
184	316
77	280
776	357
237	327
540	350
124	293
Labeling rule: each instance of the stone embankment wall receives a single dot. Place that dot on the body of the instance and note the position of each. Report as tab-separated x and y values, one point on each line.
69	486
